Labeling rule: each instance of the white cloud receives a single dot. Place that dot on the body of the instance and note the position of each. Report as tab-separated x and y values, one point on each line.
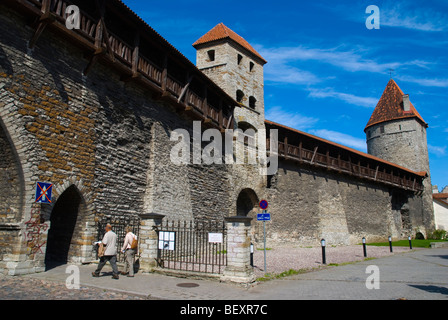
422	19
347	60
341	138
280	73
367	102
290	119
438	151
441	83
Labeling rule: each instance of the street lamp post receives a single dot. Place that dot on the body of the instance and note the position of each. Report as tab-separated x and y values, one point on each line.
364	246
324	260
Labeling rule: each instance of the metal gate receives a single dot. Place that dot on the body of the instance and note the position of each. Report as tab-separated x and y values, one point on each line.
118	226
199	246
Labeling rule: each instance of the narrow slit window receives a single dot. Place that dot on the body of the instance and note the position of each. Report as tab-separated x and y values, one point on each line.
240	58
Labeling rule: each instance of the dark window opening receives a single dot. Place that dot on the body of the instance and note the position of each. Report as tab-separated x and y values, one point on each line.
252	102
240	58
239	96
251	66
211	55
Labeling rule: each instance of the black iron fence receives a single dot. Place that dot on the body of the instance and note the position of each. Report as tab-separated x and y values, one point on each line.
199	246
119	225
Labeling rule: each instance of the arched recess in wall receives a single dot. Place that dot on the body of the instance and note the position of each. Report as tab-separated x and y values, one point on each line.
12	186
247	203
64	240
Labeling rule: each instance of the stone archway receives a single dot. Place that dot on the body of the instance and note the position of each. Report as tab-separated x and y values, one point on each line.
65	233
246	203
11	175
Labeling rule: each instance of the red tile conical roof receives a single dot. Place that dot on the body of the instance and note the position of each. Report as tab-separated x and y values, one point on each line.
220	31
390	107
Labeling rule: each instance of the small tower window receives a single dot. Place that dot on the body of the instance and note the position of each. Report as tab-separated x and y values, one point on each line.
211	55
251	66
239	96
240	58
252	102
382	129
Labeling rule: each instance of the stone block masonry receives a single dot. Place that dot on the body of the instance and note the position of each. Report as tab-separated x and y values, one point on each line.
238	251
108	139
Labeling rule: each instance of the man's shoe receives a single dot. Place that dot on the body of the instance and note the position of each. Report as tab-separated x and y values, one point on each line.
94	274
124	273
130	276
115	276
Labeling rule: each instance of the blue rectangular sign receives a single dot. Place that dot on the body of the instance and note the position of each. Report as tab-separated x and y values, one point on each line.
43	192
264	217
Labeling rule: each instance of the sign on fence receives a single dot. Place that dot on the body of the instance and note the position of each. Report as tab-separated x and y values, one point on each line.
215	237
167	240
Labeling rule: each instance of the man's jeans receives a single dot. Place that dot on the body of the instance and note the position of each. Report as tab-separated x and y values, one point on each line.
113	262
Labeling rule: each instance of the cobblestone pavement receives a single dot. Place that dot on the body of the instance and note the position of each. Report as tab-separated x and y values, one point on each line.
412	275
26	288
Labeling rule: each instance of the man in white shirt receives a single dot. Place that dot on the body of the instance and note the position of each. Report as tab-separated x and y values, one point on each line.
129	251
110	242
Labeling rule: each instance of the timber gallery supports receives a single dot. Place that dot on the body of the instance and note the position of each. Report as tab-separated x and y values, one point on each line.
238	267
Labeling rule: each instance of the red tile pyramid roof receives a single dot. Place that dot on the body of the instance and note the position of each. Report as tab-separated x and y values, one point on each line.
220	31
390	107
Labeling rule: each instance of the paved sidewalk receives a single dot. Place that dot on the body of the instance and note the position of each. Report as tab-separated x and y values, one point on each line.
420	274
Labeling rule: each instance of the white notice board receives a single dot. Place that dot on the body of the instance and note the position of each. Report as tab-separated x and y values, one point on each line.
167	239
215	237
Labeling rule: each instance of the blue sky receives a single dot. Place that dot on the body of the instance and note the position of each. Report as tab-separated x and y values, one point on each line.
326	71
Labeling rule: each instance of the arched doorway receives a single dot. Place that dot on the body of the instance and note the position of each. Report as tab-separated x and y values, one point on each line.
62	228
11	177
246	203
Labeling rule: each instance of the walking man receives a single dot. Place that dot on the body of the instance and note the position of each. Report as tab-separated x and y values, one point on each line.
110	254
129	251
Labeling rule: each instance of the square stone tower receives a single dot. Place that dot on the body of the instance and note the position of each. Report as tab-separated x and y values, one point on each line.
234	65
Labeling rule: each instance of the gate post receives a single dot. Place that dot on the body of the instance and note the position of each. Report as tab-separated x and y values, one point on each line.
147	242
238	251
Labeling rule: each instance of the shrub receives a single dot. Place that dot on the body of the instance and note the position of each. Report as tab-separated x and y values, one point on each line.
438	234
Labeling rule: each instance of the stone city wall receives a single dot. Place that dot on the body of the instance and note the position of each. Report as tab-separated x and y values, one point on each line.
109	138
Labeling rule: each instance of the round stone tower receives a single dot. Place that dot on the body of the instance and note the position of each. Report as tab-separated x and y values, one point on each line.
397	133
